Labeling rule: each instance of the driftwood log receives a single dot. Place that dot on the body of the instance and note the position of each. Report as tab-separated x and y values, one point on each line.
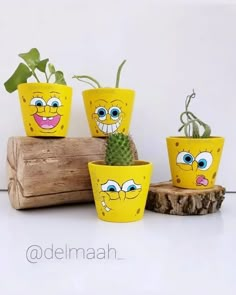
48	171
167	199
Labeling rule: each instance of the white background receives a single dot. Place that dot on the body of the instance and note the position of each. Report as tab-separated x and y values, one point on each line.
160	255
169	48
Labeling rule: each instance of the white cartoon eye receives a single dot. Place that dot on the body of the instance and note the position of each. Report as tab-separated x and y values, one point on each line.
185	158
102	113
54	102
110	186
114	113
38	102
204	160
130	185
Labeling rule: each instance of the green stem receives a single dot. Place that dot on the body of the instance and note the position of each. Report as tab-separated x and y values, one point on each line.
118	73
50	77
46	76
89	78
35	76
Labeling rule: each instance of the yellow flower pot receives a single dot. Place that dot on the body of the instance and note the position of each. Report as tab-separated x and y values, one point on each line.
108	110
120	192
45	108
194	162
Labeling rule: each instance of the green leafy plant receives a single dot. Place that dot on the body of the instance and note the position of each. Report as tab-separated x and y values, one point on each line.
94	83
118	150
191	123
32	64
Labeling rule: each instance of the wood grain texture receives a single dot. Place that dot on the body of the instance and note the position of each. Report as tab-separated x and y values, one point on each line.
51	171
167	199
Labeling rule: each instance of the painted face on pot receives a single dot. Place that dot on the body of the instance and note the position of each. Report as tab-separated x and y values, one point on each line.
114	194
108	116
197	165
45	110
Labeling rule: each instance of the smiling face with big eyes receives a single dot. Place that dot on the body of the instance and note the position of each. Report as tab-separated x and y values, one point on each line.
108	115
46	108
47	115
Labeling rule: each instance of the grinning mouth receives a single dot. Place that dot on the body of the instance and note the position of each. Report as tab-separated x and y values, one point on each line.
47	122
108	128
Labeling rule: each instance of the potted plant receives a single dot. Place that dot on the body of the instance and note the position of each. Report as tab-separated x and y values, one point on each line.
45	106
194	158
120	183
108	110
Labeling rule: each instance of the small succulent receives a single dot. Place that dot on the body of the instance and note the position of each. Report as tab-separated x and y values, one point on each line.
118	150
191	123
94	83
32	64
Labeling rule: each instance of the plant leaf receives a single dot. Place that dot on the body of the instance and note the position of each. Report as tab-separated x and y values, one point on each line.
41	66
32	58
59	78
21	74
51	68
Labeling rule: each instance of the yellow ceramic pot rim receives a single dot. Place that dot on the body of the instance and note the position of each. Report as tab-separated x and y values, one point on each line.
197	139
136	163
43	84
108	89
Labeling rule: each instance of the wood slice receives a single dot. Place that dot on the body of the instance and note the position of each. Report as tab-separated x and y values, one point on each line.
165	198
51	171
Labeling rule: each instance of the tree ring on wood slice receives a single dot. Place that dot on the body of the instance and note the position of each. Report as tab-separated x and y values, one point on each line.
165	198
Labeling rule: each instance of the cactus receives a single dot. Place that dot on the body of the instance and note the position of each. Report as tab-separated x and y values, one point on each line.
191	123
118	150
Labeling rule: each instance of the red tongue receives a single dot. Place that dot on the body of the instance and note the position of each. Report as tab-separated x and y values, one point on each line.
45	122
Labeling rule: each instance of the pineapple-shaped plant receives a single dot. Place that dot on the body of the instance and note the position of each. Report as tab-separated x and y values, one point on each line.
118	150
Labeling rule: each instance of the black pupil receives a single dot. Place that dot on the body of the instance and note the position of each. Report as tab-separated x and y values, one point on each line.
39	104
201	164
101	113
114	113
55	104
111	189
132	188
188	159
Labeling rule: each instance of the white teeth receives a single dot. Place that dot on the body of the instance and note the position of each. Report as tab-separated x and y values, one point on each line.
108	128
103	204
44	118
51	118
105	127
107	209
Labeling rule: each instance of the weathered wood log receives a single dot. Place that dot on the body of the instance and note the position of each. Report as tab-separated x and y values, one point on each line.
51	171
167	199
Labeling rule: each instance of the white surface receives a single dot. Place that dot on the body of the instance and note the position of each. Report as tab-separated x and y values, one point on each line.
170	50
161	255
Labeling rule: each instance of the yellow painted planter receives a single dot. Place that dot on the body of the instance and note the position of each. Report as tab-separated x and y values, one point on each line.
45	108
120	192
108	110
194	162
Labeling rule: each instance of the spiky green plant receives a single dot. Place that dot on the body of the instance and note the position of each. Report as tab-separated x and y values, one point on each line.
118	150
191	123
94	83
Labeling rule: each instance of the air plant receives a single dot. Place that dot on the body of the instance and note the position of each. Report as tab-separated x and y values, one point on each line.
32	64
94	83
191	123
